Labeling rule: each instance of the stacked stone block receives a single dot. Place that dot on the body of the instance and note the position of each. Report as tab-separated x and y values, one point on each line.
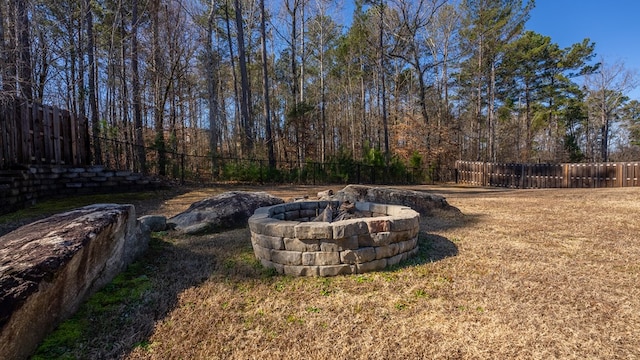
20	188
284	238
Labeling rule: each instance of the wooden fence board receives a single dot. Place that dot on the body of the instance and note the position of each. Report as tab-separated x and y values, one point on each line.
27	133
65	133
32	133
530	176
56	139
38	141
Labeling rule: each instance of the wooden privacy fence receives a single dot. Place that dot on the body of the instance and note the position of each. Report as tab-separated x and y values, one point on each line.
32	133
539	176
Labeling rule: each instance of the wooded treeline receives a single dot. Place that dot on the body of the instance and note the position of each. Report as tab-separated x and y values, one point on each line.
421	82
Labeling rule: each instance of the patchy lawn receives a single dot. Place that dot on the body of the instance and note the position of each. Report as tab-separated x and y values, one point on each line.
523	274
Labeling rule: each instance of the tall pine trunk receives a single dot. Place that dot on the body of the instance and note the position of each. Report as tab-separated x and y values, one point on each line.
385	120
267	106
236	96
141	157
23	56
93	98
158	113
212	87
4	60
244	83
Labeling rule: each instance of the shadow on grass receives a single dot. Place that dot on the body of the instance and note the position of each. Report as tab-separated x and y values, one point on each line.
447	220
122	316
435	248
432	247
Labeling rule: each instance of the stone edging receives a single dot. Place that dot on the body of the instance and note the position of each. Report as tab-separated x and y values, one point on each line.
283	238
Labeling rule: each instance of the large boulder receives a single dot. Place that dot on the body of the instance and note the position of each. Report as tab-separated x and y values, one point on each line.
227	210
422	202
49	267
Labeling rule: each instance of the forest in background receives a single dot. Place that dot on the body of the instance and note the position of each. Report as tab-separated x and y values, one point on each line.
415	82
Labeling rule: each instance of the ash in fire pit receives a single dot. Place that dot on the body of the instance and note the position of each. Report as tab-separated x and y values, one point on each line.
328	238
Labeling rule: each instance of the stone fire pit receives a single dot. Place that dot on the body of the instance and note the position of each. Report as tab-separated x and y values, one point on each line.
284	238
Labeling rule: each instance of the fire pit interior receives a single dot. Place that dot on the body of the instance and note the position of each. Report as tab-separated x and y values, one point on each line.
285	238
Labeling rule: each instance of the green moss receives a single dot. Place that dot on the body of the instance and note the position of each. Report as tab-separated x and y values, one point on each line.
128	289
58	344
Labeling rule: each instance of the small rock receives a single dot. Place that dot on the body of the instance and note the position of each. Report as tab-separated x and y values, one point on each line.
155	223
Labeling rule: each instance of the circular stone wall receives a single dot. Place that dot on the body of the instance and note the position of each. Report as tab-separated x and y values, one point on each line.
284	238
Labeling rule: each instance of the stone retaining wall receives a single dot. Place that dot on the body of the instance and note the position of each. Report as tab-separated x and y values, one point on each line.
284	238
21	188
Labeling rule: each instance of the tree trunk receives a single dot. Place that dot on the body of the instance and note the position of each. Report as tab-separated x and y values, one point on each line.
491	113
479	103
140	151
527	119
267	107
385	120
124	104
23	58
604	134
212	87
160	144
4	58
10	85
93	98
82	96
323	100
293	11
302	51
236	96
41	76
244	82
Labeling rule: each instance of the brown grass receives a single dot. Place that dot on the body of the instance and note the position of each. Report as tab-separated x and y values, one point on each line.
524	274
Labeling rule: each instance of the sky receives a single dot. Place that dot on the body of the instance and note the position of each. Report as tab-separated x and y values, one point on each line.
614	26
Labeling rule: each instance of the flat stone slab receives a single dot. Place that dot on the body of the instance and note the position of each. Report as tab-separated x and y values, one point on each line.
47	268
227	210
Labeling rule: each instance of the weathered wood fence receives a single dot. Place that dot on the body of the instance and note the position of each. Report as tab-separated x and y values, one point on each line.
539	176
32	133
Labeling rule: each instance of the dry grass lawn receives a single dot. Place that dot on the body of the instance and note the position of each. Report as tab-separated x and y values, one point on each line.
523	274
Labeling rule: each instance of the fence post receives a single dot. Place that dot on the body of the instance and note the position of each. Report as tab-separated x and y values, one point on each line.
485	169
620	175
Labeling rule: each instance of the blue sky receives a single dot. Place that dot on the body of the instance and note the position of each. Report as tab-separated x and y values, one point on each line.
613	25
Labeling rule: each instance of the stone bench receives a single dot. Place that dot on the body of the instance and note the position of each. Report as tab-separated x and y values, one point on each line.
48	268
284	238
